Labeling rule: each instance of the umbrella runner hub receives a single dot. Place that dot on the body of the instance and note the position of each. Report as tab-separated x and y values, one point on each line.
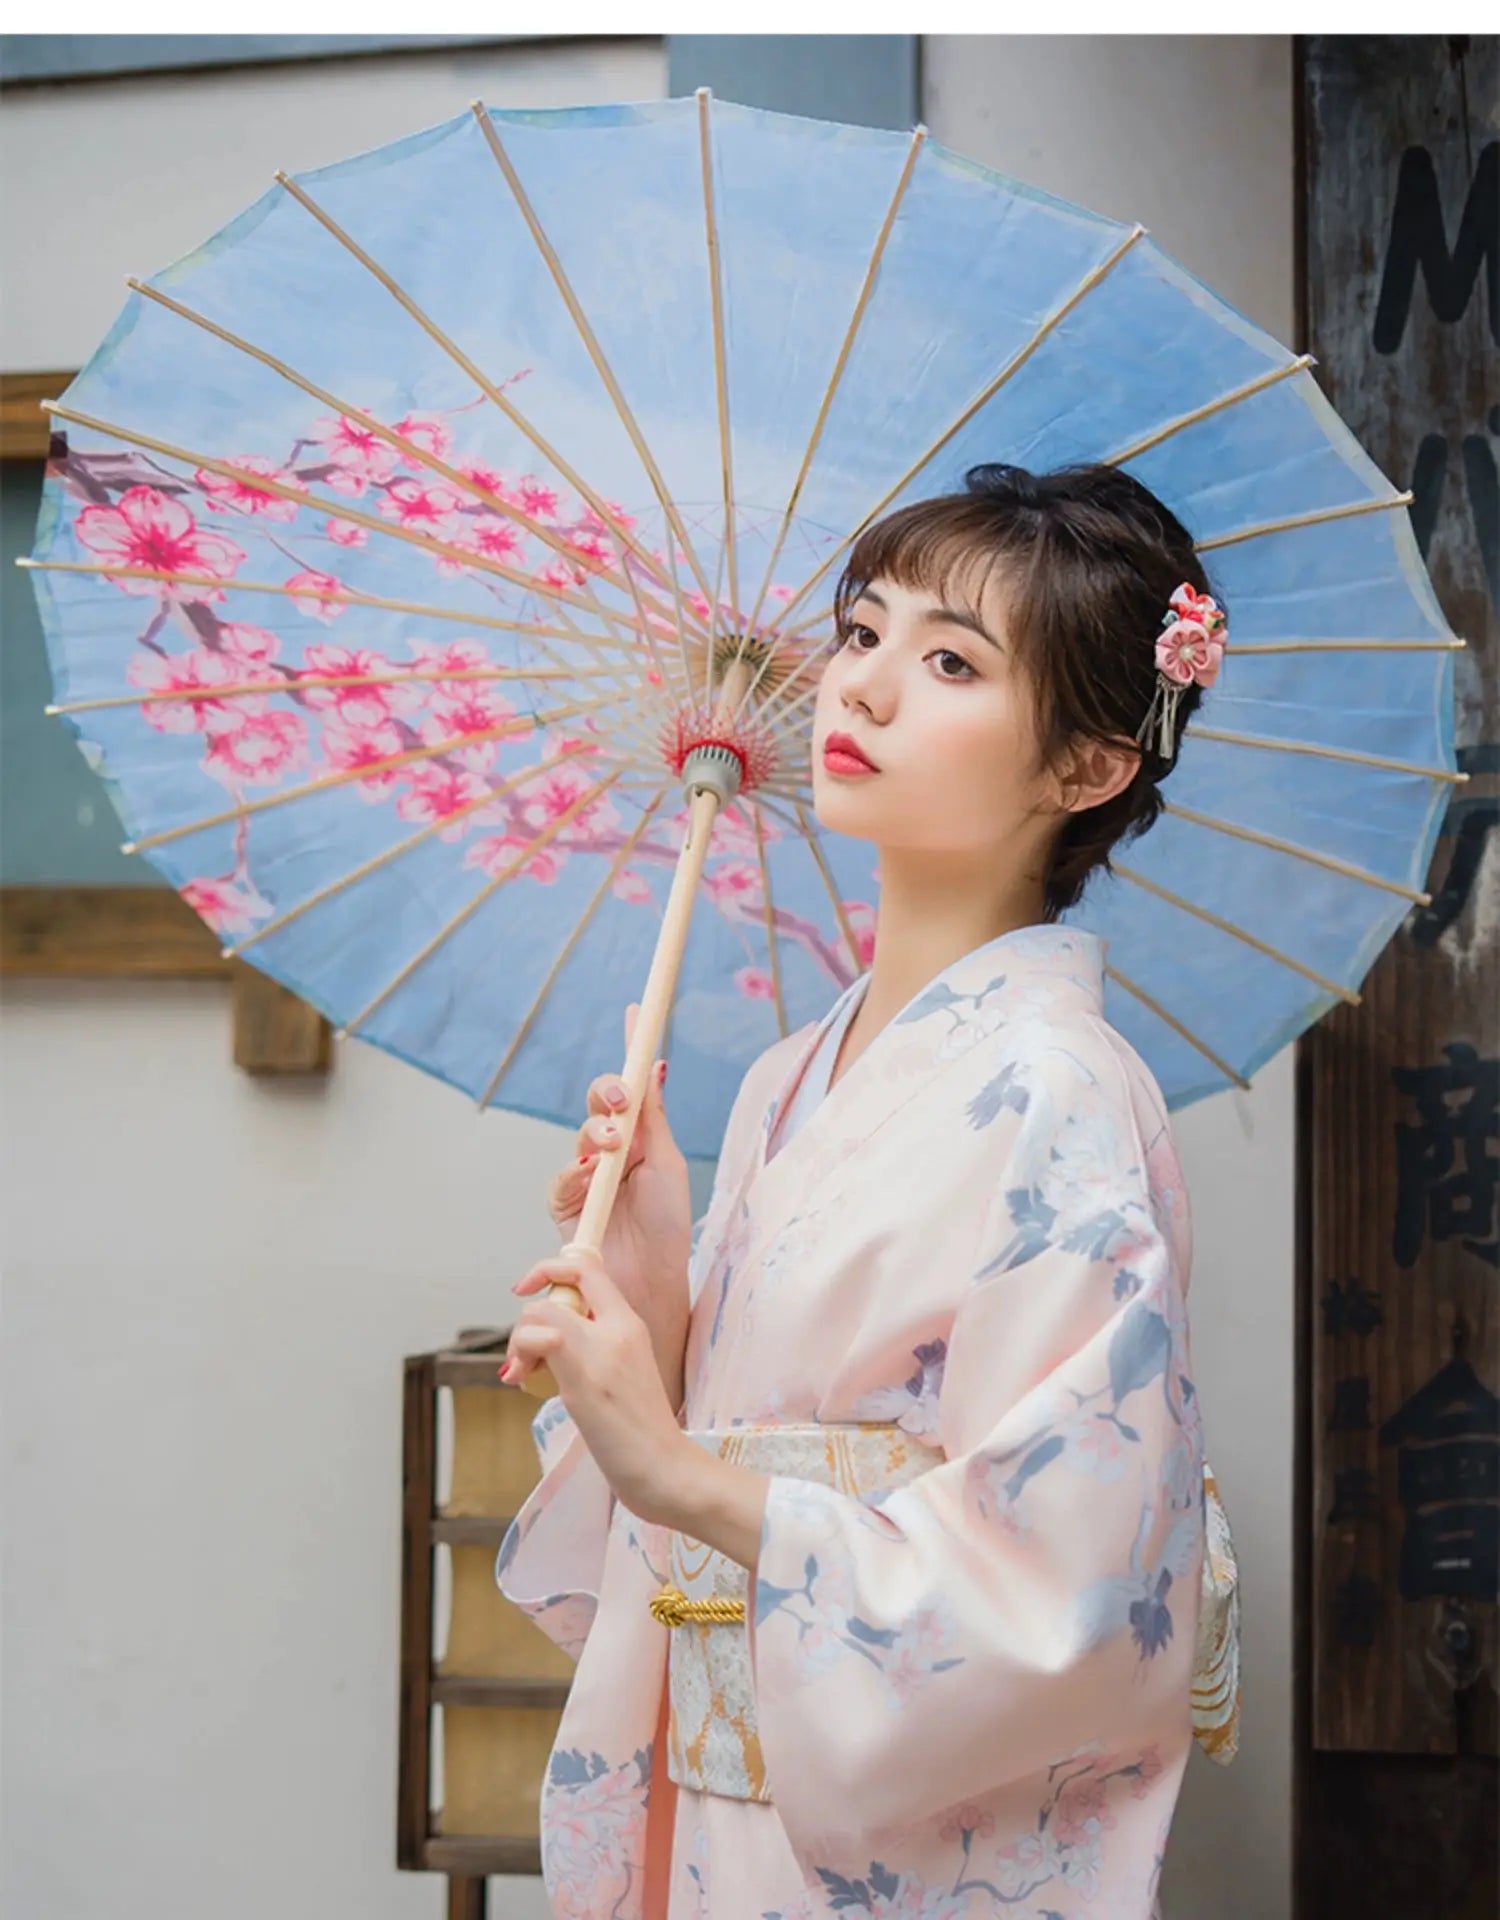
714	766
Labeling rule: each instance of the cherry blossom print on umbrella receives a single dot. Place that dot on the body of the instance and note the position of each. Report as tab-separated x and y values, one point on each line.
438	566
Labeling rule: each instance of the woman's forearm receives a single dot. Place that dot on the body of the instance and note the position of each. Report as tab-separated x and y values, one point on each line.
716	1501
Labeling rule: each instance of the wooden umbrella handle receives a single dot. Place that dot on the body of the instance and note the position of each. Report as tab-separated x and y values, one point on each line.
650	1024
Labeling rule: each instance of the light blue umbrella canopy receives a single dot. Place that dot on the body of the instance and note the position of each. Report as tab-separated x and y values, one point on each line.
436	466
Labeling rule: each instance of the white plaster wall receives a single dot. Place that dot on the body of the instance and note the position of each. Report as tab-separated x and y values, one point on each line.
1193	137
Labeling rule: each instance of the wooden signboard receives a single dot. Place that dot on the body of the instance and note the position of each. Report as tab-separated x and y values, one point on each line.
1399	1099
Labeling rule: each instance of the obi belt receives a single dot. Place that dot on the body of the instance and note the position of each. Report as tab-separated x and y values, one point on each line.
712	1742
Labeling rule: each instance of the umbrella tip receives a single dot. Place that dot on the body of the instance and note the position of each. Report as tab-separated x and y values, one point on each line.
51	709
127	846
341	1033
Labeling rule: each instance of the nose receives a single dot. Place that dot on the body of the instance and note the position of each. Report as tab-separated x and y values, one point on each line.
866	682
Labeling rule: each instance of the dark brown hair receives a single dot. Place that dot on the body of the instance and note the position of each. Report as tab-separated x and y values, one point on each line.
1087	559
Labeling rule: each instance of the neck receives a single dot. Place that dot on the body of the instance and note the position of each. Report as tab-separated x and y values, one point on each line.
932	912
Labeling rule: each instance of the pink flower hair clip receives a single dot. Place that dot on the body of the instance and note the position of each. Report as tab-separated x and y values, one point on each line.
1188	651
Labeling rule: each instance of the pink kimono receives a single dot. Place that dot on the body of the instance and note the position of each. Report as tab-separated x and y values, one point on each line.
963	1685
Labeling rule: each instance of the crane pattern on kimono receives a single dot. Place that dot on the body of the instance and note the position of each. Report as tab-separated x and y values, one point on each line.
972	1016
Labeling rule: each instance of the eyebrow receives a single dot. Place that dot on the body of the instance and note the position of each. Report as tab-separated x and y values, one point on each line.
940	616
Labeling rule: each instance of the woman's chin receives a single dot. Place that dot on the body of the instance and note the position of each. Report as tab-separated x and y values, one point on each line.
840	808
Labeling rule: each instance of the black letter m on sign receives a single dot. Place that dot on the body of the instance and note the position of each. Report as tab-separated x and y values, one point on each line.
1418	239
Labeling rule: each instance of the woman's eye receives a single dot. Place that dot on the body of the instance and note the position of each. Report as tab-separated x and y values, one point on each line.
955	666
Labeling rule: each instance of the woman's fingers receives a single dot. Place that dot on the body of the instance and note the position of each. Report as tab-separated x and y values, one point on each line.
526	1349
598	1134
561	1270
537	1318
607	1094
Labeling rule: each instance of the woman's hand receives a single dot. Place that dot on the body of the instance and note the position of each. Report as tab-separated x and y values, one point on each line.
649	1238
609	1382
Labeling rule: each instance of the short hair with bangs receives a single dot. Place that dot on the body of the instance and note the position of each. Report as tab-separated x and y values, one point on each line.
1086	559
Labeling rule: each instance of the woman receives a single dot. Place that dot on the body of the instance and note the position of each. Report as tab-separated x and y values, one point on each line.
934	1417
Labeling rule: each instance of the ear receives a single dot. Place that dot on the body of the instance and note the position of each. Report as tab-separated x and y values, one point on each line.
1097	773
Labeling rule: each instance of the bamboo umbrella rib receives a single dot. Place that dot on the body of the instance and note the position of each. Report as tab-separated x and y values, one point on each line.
801	789
1346	994
1325	753
1172	1021
709	699
513	729
1012	366
455	353
569	944
772	951
721	371
341	510
590	340
687	671
1317	518
795	791
1345	646
345	595
409	448
1328	860
388	854
548	834
867	288
776	812
1211	407
295	683
810	834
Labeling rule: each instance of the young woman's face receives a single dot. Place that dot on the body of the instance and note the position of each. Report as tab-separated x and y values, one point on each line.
939	705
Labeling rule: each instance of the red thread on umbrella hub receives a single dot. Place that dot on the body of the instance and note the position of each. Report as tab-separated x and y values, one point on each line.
684	733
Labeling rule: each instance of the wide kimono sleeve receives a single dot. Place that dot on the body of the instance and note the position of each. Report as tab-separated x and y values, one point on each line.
551	1561
1036	1592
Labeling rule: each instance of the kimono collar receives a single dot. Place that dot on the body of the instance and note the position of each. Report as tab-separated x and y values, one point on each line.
1047	971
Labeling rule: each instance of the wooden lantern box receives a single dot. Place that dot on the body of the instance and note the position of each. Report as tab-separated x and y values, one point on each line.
490	1705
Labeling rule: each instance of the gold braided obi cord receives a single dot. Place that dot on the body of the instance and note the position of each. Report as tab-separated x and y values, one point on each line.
712	1742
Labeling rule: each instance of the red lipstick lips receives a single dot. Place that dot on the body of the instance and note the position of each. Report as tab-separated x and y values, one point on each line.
842	754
